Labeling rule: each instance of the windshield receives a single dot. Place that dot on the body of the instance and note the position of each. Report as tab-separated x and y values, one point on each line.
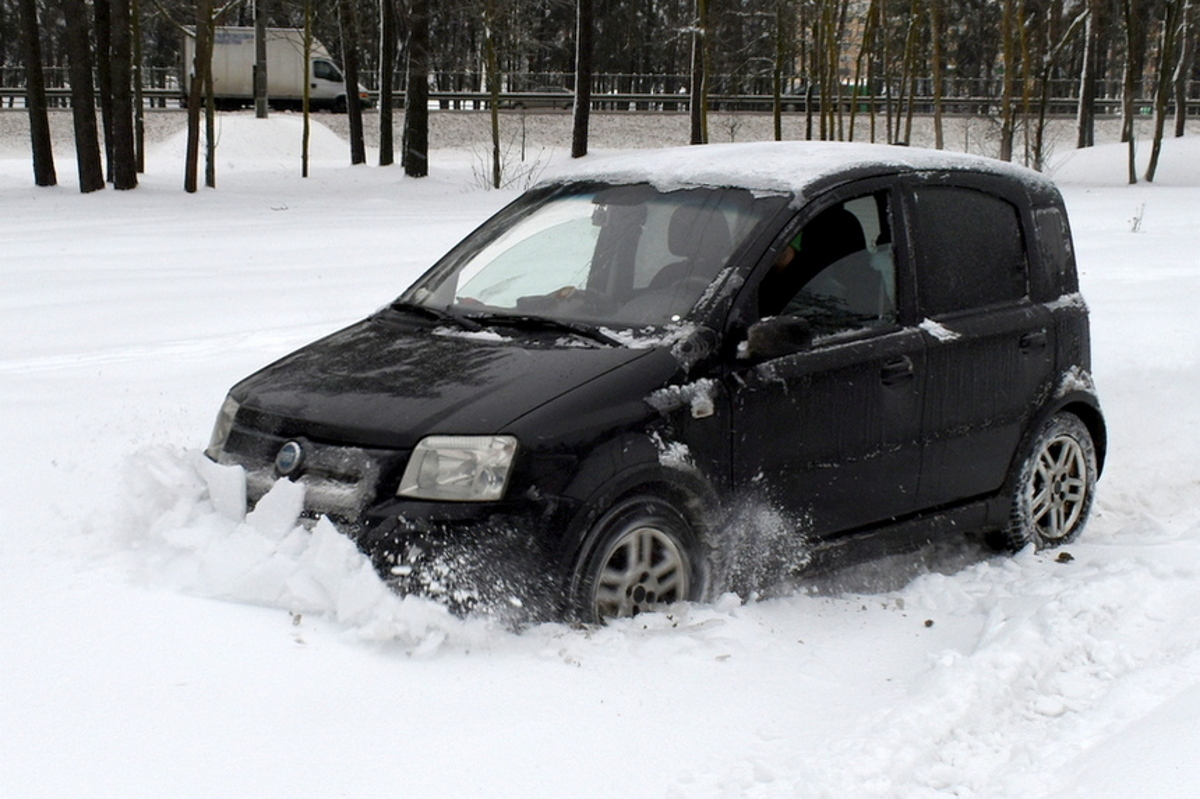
615	256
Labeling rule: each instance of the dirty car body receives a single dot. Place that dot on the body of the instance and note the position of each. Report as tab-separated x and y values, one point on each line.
878	344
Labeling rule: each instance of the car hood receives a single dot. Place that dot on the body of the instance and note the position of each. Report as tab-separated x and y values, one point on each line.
381	383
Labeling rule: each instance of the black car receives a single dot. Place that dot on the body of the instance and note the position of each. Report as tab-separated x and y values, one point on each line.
880	344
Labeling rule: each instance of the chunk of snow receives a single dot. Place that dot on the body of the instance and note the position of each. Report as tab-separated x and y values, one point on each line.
938	331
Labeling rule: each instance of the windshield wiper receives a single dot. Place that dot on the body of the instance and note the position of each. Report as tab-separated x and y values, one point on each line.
527	322
436	314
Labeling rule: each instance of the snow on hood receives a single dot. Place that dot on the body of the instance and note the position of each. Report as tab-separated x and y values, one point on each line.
789	167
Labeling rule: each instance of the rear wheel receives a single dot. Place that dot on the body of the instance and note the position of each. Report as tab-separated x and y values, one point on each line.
645	557
1055	485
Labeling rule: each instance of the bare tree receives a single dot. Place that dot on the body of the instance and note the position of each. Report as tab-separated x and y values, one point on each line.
83	105
909	73
784	33
937	35
388	48
492	67
416	97
1089	75
262	108
699	92
862	65
201	70
139	103
348	18
1185	65
35	97
1010	41
584	51
124	154
1167	70
1056	29
305	104
103	65
1131	16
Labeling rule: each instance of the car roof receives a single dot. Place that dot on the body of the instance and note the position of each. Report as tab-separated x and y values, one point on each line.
800	168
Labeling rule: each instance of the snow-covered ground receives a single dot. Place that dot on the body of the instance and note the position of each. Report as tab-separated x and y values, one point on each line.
153	644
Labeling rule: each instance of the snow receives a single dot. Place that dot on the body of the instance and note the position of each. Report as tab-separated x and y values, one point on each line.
938	330
698	396
157	641
789	166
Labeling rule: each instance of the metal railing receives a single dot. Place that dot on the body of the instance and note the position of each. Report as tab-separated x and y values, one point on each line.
646	92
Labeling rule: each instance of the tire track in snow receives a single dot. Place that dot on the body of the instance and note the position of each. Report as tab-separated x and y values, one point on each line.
1064	655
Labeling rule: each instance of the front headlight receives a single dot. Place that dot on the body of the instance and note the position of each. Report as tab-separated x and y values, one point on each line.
459	468
221	429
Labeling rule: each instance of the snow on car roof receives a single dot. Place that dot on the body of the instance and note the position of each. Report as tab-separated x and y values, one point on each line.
791	166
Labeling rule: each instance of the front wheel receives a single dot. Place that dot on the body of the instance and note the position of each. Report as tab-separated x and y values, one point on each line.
645	557
1055	485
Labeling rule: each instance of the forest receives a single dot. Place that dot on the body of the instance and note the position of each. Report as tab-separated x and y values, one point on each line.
1016	61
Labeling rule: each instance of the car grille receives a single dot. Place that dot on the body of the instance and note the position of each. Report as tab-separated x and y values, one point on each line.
339	482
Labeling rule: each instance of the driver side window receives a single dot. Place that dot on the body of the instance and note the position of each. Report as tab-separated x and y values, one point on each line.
325	71
839	273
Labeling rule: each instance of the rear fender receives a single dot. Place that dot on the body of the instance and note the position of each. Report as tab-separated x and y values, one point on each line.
1080	401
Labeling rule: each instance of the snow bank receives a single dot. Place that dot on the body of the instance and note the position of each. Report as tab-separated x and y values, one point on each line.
250	144
186	520
1108	164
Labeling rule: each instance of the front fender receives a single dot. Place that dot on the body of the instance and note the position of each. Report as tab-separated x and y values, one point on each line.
630	463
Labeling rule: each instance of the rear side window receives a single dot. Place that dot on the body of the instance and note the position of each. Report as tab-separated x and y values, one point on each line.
969	250
1054	241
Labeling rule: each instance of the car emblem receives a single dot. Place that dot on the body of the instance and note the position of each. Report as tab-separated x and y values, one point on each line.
290	456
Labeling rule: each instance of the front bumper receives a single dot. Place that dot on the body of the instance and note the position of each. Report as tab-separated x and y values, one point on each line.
502	557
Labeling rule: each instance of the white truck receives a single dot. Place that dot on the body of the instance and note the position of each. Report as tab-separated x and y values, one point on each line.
234	56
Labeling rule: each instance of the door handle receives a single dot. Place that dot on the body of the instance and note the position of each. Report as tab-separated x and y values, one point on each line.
896	372
1034	341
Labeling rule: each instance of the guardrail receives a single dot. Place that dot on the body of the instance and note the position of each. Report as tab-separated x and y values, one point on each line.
660	102
60	97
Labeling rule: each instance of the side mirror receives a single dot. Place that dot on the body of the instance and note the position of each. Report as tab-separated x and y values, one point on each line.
775	337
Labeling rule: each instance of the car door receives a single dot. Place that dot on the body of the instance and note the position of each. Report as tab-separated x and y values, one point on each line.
990	351
831	431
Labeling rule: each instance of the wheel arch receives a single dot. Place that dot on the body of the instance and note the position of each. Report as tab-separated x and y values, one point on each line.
623	468
1082	404
1088	410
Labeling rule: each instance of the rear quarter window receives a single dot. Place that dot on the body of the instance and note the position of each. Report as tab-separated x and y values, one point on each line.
1057	254
969	250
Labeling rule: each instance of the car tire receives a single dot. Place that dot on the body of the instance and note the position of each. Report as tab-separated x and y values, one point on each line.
1054	487
645	556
